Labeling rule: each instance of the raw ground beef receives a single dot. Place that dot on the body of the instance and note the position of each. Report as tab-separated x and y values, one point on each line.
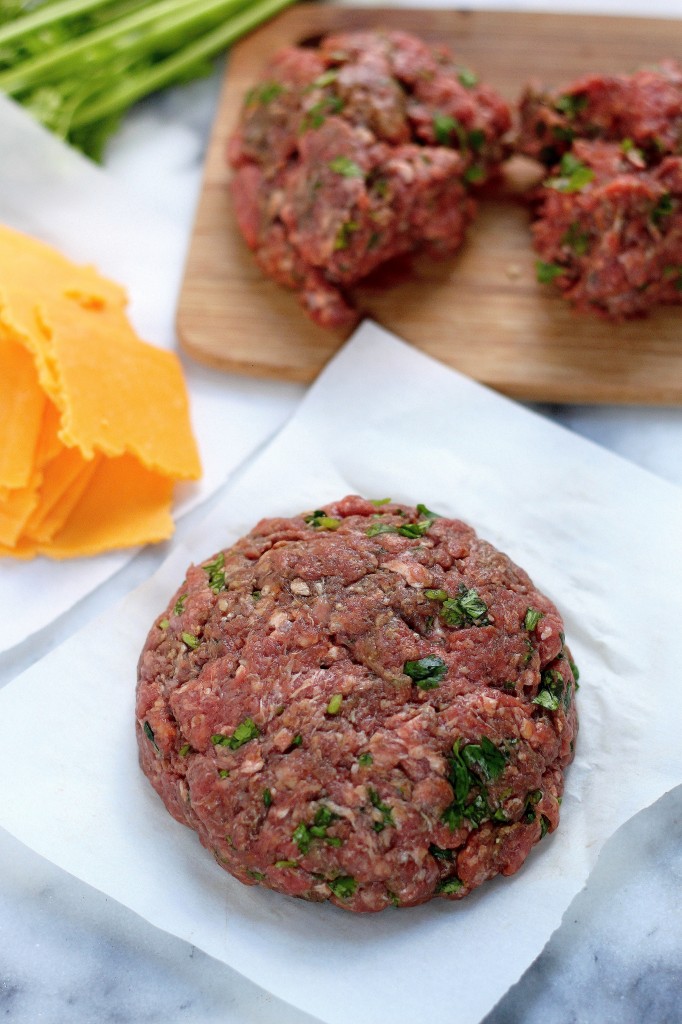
614	245
608	224
645	108
365	704
355	152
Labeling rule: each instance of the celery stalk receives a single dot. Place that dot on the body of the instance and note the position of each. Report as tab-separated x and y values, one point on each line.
125	34
169	69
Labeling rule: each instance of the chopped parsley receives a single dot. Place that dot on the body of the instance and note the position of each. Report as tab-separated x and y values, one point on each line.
439	853
378	502
436	595
545	273
552	690
179	606
245	731
264	93
386	811
445	126
450	885
304	834
256	596
149	733
319	520
215	571
190	640
574	670
334	705
223	773
411	530
286	864
267	797
427	672
532	618
663	208
343	235
365	760
573	177
326	78
185	749
343	887
544	826
576	239
345	166
297	740
533	798
257	876
315	117
474	174
424	511
471	767
571	105
467	609
164	624
467	78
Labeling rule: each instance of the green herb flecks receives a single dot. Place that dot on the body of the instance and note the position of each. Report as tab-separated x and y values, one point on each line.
412	530
570	105
149	733
365	760
346	167
440	853
215	571
545	825
319	520
445	128
532	799
343	886
164	624
179	606
286	864
552	690
267	797
190	640
334	705
427	672
471	767
317	114
263	94
532	618
378	502
344	234
245	731
467	78
184	750
663	208
573	177
450	886
304	833
257	876
575	239
467	609
545	273
474	175
224	773
385	809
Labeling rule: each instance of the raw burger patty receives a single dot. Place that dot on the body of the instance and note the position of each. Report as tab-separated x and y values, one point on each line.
365	704
356	152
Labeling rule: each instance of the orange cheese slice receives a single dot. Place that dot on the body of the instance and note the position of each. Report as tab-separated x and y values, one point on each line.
94	422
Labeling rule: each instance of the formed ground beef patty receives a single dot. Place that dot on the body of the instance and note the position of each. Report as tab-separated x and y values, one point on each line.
365	704
609	230
609	217
355	152
645	108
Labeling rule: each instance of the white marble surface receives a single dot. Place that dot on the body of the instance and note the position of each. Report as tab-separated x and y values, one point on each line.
67	953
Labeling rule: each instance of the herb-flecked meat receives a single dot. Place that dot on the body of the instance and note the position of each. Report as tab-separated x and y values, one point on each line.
608	230
356	152
365	704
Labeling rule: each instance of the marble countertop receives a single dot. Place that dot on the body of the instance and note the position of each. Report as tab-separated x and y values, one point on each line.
68	953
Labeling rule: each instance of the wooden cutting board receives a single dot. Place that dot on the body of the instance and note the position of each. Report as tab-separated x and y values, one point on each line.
482	312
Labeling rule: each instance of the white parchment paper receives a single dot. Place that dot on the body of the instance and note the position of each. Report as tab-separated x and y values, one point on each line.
600	536
50	191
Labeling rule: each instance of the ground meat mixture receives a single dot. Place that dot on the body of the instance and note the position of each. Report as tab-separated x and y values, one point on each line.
645	108
608	225
355	152
365	704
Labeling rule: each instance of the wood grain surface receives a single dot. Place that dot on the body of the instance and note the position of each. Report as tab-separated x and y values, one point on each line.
482	312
